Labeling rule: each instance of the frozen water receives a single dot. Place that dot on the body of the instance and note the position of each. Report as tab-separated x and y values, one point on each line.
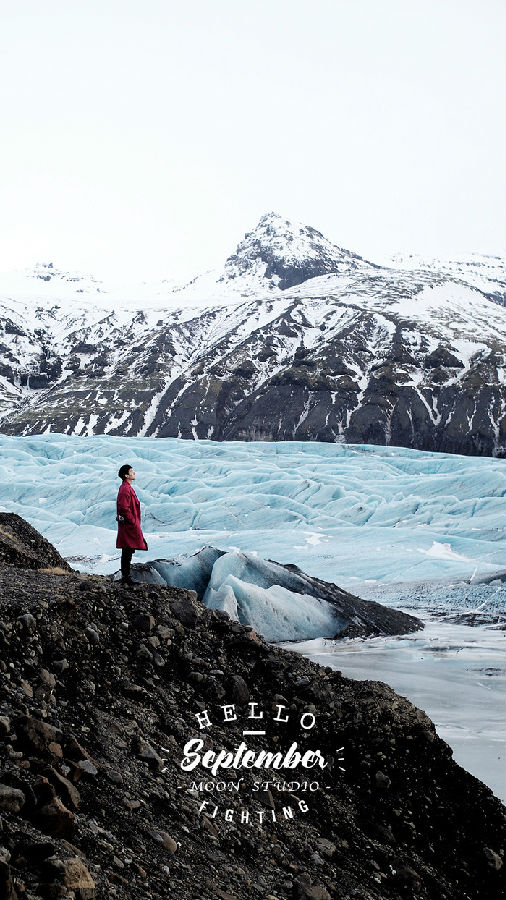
272	611
346	513
280	603
472	601
453	672
243	586
192	572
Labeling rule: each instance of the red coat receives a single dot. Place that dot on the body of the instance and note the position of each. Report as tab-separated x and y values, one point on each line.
129	530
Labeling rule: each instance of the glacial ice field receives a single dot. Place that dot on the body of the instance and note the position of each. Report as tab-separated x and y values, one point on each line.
419	531
347	513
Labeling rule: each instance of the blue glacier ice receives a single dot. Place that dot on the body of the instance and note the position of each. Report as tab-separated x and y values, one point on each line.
275	612
243	586
191	572
351	514
279	602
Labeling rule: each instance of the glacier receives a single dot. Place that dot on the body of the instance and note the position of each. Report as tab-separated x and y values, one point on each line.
243	586
349	513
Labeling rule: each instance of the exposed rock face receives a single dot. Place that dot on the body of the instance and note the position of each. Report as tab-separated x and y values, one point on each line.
22	545
285	255
95	801
295	339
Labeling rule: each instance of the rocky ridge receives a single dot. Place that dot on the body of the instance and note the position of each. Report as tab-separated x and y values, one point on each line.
100	690
283	254
293	339
22	545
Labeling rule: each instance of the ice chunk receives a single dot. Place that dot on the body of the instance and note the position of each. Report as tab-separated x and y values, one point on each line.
275	612
281	602
191	572
267	596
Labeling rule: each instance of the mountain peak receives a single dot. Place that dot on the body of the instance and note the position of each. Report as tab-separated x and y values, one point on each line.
278	223
286	253
275	230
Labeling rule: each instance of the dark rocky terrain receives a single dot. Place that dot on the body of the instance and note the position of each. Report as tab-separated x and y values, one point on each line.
22	545
99	690
294	338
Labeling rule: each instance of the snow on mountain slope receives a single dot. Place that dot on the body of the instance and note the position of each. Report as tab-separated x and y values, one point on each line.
276	255
286	254
481	270
294	338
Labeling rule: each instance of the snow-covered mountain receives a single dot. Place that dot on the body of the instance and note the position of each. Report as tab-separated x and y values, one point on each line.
483	271
293	338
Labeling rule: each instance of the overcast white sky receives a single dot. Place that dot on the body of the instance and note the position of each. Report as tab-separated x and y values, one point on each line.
147	137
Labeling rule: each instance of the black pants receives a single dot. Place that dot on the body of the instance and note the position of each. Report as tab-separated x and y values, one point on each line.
126	559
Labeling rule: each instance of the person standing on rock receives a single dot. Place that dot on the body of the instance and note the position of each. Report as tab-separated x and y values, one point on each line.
128	515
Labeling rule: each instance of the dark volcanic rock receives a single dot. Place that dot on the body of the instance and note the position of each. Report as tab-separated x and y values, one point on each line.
22	545
402	820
